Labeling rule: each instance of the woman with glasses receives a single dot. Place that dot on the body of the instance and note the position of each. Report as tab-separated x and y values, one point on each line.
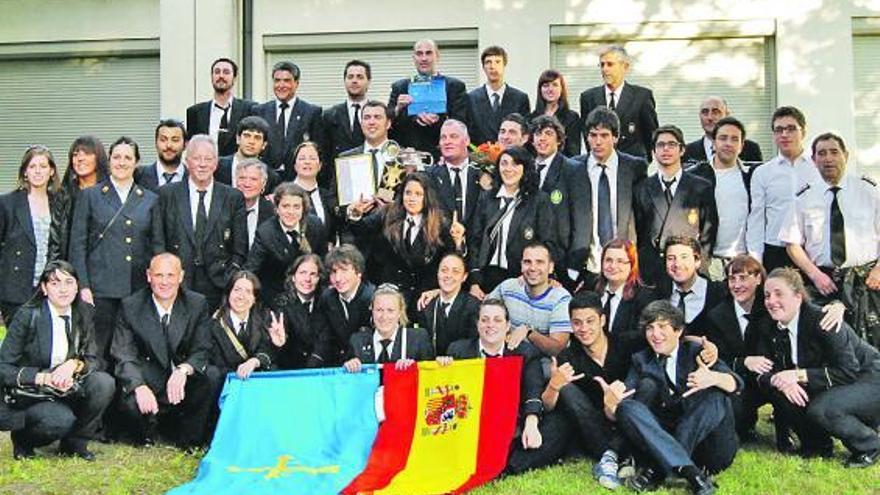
553	100
110	239
33	222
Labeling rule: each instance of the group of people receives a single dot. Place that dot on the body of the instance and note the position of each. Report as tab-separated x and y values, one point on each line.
133	289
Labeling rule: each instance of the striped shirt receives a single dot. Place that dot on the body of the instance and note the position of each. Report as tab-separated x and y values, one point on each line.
546	313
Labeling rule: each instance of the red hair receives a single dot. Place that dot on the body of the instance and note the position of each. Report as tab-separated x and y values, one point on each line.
633	281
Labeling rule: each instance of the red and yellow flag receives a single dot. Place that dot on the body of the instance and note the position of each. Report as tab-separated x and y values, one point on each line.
447	429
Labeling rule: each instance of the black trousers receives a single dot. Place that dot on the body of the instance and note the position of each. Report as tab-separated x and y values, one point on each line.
73	419
745	408
700	432
851	413
186	422
555	433
814	438
775	257
595	433
106	310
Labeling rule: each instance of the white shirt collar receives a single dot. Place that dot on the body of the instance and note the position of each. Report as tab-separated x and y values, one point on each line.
483	350
236	322
291	102
162	311
611	162
490	92
228	103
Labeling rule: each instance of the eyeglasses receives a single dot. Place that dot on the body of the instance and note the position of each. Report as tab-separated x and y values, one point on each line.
788	129
667	145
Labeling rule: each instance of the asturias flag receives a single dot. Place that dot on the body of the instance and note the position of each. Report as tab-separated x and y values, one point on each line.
307	431
447	429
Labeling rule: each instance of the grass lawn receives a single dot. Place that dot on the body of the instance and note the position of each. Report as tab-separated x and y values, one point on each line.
125	470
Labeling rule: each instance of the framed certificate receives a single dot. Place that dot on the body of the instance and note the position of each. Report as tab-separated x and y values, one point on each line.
428	96
355	177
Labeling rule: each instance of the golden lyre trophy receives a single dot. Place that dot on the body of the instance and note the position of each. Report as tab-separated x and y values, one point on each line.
399	162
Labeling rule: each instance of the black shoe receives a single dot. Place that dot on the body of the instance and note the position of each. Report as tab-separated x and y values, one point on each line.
863	460
20	452
702	484
76	449
647	480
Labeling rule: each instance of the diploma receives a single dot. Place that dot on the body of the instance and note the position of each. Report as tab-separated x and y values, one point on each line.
355	178
428	96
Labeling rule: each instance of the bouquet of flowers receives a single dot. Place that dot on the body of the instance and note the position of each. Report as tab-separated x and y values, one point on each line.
484	157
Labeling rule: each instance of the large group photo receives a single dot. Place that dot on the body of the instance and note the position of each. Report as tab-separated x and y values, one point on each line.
425	262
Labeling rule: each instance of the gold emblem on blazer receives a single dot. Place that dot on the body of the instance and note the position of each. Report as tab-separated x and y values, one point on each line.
528	234
105	189
693	216
556	197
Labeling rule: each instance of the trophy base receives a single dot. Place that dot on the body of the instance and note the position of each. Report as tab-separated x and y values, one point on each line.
385	195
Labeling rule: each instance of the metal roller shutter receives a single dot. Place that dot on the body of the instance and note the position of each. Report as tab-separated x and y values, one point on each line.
51	101
867	102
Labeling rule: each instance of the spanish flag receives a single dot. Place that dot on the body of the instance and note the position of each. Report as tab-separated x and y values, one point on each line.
447	429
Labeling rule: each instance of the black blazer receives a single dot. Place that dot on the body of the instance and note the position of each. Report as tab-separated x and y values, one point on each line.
532	381
18	248
625	325
198	121
272	254
693	213
724	332
446	193
254	340
335	330
571	122
226	241
694	152
406	131
418	345
716	292
828	357
142	353
533	219
483	121
460	324
112	258
637	112
338	137
301	326
265	211
223	174
147	177
631	171
305	124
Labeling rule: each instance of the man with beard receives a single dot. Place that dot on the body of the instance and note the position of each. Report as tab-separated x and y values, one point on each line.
219	116
170	141
342	122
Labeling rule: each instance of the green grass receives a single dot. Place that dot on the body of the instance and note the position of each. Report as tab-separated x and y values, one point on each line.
123	470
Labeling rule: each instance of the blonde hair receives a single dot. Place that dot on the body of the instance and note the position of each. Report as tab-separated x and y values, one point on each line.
392	290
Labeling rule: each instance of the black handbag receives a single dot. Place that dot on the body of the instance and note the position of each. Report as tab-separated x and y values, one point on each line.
25	397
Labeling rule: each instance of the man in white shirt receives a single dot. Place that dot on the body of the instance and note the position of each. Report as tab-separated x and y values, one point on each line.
219	116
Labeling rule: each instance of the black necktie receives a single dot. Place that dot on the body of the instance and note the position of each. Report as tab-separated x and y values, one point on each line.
459	199
838	238
605	224
782	344
489	356
224	120
681	307
241	327
541	166
357	134
606	310
410	227
612	104
496	102
667	190
168	176
164	322
384	355
376	168
70	341
201	218
282	121
307	305
293	235
670	383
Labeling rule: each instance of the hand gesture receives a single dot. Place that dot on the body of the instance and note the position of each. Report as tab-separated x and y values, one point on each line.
456	231
86	295
426	298
613	395
873	280
444	361
402	102
276	329
783	379
402	364
426	119
700	379
561	376
709	354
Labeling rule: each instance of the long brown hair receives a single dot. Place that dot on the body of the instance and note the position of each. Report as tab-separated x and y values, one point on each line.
54	184
633	281
432	216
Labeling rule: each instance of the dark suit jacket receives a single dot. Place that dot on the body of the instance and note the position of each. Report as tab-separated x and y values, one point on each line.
225	244
406	131
265	211
112	258
483	121
625	326
147	177
533	219
198	120
305	124
571	122
338	137
630	172
18	246
446	192
695	152
335	330
828	357
223	174
418	345
693	213
715	293
272	254
460	324
724	332
254	340
142	353
637	112
532	382
301	326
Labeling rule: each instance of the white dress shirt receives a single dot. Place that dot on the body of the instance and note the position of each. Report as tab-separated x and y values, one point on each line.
594	261
499	92
236	323
792	327
499	257
674	186
463	166
615	303
546	162
122	191
709	148
733	212
178	173
350	106
617	93
693	302
60	344
417	224
672	365
381	158
742	318
377	345
216	117
287	112
315	198
253	217
194	200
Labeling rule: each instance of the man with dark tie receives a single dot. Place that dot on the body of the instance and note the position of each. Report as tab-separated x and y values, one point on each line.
600	196
671	202
251	178
168	167
452	314
375	124
421	130
712	110
219	116
292	119
548	138
834	236
691	293
161	347
633	104
202	222
490	102
458	183
673	408
342	122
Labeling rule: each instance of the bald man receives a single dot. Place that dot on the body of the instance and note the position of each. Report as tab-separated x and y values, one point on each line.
713	109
